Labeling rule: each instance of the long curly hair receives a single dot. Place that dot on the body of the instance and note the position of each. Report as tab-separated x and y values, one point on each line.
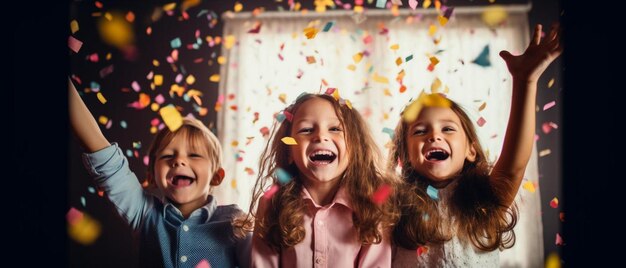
477	203
282	225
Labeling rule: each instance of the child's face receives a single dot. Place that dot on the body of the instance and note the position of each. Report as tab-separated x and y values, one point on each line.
437	144
183	173
321	154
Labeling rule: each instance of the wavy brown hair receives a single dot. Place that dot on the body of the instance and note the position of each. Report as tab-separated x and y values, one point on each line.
477	202
282	225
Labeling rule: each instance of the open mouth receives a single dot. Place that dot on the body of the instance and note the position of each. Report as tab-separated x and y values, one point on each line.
322	157
437	155
181	181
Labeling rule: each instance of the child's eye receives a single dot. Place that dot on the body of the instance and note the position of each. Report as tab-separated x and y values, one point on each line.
305	130
335	129
419	132
166	156
194	155
448	129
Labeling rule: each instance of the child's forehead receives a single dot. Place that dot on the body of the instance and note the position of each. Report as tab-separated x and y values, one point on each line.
185	139
436	114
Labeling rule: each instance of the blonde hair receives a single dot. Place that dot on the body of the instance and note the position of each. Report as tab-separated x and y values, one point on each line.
477	203
282	226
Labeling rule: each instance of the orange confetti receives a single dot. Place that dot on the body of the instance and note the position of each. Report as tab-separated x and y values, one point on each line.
130	16
214	78
421	250
310	32
238	7
554	203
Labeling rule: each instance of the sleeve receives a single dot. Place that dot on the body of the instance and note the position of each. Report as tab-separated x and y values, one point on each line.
244	248
376	255
262	254
109	168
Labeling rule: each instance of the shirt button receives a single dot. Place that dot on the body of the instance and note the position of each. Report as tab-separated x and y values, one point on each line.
185	228
183	258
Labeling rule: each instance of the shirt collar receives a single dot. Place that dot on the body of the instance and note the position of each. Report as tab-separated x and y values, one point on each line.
341	197
205	212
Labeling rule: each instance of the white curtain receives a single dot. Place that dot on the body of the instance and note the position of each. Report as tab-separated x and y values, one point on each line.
265	71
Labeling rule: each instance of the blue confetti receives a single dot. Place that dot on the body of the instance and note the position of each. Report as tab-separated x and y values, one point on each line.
388	131
280	117
432	192
95	87
129	153
381	3
283	176
328	26
175	43
137	145
123	124
91	190
408	58
483	58
82	201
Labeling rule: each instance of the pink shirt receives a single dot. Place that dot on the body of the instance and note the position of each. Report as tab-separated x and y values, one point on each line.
330	241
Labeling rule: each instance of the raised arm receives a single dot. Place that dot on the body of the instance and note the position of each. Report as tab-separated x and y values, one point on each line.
83	124
525	71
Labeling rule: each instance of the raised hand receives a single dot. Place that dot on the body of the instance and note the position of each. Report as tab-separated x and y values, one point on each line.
537	57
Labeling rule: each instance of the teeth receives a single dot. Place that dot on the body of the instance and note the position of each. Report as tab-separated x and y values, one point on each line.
321	152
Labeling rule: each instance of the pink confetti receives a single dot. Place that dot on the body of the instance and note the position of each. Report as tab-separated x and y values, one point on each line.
159	99
536	137
368	39
154	122
413	4
265	131
271	191
179	78
93	57
381	194
554	203
136	86
549	105
74	215
74	44
203	264
288	116
146	160
481	121
559	240
330	91
548	126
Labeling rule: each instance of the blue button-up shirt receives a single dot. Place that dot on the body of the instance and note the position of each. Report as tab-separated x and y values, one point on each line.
167	238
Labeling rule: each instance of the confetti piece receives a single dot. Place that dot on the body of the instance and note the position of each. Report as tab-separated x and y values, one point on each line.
116	31
434	87
529	186
203	264
421	250
158	79
310	32
351	67
413	4
357	57
310	59
74	44
280	117
544	152
396	2
494	15
562	216
83	201
483	58
328	26
229	41
101	98
381	3
481	121
175	43
554	203
408	58
214	78
551	83
482	106
265	131
85	230
549	105
426	4
432	192
448	12
553	260
171	117
432	29
381	194
73	216
74	26
289	141
103	119
394	47
442	20
271	191
238	7
91	190
106	71
398	61
548	126
559	240
282	175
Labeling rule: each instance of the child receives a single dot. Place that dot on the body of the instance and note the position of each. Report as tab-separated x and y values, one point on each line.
186	226
322	213
440	150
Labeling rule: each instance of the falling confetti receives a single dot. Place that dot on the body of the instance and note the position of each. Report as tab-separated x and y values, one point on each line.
74	26
545	152
328	26
481	121
74	44
389	131
553	260
214	78
549	105
310	32
494	15
271	191
529	186
432	192
483	58
203	264
421	250
559	240
289	141
171	117
554	203
381	194
282	175
550	83
82	228
413	4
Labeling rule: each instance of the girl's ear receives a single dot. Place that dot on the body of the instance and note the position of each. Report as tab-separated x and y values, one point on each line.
218	177
471	153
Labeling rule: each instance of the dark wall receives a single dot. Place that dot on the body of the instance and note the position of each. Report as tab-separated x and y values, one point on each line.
115	246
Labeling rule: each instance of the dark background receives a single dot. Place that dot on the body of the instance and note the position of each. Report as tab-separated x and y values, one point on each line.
48	178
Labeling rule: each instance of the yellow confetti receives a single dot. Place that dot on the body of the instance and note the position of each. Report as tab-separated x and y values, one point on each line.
553	261
400	75
103	120
529	186
116	31
158	79
551	83
433	60
85	230
434	87
109	56
234	143
336	94
229	41
171	117
289	141
380	79
74	26
358	9
351	67
494	15
394	47
442	20
214	78
177	89
189	3
221	60
169	7
190	79
426	4
233	184
154	106
194	92
155	63
387	92
282	97
310	32
398	61
238	6
153	130
544	152
432	29
357	57
482	106
101	98
429	100
446	90
349	104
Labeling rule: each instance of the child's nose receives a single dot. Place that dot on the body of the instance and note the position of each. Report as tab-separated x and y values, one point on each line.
179	161
321	136
434	137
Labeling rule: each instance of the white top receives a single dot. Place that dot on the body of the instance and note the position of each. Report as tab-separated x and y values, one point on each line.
452	253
